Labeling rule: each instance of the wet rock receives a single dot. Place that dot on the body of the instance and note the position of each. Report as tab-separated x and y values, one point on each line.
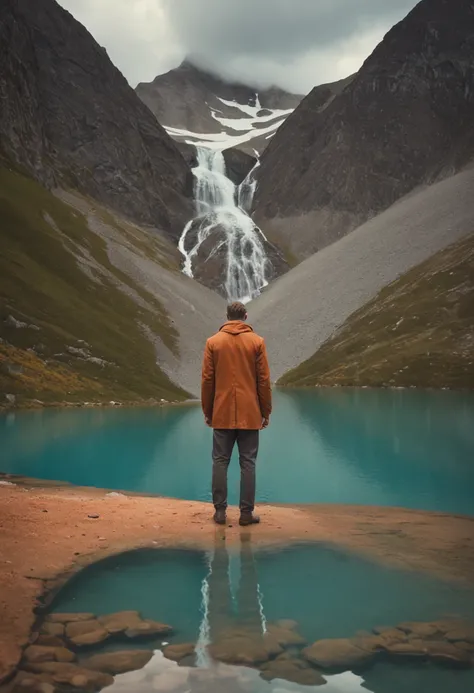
449	624
466	646
120	621
178	652
247	647
285	636
73	675
419	629
448	655
82	633
51	628
42	653
337	654
171	680
369	643
393	635
26	682
461	634
147	627
118	662
69	618
415	649
49	641
290	670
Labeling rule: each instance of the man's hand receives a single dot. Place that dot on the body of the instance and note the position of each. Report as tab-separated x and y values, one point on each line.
208	421
265	423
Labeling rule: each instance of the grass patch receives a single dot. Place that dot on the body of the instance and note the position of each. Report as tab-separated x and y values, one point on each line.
418	331
41	282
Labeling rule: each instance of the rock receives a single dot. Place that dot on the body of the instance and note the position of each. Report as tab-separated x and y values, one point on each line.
41	653
171	680
461	634
285	636
337	654
117	153
411	650
77	351
178	652
120	621
238	164
67	618
49	641
13	322
26	682
72	674
11	368
466	646
415	83
244	646
393	635
419	629
118	662
52	628
93	517
147	627
369	643
82	633
448	655
11	399
290	670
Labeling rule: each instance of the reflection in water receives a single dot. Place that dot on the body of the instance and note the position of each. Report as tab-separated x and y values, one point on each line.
398	448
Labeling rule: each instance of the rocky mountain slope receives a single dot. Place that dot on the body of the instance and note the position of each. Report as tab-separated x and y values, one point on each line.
93	308
418	331
302	309
406	119
69	118
200	108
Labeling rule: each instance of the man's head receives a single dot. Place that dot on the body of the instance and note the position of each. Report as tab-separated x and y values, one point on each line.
236	311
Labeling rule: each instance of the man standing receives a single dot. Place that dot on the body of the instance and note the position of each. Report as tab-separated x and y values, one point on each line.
237	402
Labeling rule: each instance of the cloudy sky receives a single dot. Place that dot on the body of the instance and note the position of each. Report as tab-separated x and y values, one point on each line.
294	44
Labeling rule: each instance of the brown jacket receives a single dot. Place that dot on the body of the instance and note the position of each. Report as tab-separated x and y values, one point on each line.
236	390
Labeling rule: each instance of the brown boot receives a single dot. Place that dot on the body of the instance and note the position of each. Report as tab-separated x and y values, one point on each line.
247	519
220	517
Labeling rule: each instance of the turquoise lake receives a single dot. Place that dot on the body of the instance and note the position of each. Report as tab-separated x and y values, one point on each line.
399	448
329	593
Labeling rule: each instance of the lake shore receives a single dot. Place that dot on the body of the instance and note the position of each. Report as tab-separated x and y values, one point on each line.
50	532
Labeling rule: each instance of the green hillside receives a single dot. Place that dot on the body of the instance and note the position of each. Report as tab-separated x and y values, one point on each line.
418	331
89	319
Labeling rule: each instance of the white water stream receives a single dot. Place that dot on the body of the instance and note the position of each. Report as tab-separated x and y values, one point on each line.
222	210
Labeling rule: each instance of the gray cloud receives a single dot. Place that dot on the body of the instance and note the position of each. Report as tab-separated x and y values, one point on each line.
291	43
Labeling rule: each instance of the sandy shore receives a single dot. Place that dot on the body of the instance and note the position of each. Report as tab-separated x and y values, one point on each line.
47	534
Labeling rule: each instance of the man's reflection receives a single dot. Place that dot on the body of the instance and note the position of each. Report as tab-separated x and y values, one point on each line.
230	606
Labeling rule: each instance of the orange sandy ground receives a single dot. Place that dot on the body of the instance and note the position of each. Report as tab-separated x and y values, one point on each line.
45	533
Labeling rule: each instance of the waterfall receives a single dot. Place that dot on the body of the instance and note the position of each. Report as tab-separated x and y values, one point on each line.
222	210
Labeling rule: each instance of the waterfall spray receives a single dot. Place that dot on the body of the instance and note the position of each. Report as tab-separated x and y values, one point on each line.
222	207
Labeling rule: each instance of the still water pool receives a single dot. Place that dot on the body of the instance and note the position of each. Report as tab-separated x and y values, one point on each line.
327	594
399	448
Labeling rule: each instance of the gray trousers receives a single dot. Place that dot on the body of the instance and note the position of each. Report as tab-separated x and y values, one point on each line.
223	444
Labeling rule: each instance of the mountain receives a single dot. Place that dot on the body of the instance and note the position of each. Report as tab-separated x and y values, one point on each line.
405	120
305	307
70	119
93	307
418	331
201	108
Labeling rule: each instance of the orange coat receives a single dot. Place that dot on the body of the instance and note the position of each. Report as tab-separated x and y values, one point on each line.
236	390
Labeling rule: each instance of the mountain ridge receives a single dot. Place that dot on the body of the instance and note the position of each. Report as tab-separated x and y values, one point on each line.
404	120
69	118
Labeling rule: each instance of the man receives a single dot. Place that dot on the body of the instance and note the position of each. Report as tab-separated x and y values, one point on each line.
237	402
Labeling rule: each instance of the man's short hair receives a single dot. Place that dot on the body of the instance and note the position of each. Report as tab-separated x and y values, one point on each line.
236	311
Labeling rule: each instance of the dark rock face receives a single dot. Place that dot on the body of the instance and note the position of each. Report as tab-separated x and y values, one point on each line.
405	119
238	164
69	117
